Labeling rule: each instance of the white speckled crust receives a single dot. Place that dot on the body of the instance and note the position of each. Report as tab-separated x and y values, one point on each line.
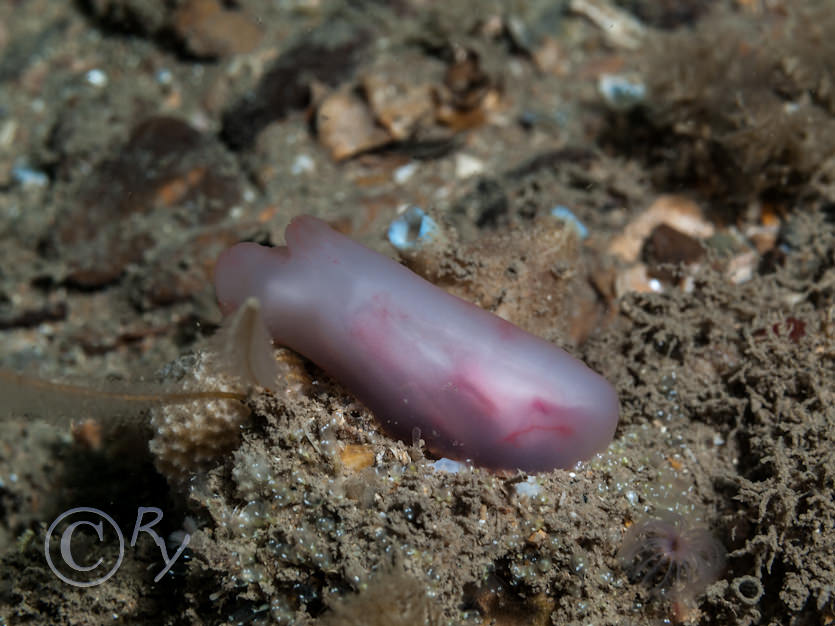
476	386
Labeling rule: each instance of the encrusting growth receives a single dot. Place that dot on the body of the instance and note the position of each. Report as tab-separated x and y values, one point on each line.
189	437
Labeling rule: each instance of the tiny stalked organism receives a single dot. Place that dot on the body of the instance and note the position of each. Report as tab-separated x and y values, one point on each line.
674	558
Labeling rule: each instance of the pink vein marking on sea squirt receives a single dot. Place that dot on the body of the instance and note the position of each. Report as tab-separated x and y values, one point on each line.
552	412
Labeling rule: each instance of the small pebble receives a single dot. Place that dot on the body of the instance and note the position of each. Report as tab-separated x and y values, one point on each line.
466	166
529	488
164	76
302	164
620	92
29	177
411	229
405	172
96	77
448	466
565	214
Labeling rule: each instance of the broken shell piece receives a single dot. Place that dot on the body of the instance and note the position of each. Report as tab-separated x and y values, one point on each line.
620	28
620	91
346	127
680	213
467	165
636	278
740	269
398	107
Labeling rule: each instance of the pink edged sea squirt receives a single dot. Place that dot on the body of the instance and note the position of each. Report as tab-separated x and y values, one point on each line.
474	385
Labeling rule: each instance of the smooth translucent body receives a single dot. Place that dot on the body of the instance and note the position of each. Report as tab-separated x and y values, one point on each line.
475	386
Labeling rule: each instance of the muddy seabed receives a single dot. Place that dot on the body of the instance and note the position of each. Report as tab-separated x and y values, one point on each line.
694	142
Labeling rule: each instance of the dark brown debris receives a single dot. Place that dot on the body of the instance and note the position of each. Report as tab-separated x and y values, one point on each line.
208	29
328	55
29	318
667	248
166	171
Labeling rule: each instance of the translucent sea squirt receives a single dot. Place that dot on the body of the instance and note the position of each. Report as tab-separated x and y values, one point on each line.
476	386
